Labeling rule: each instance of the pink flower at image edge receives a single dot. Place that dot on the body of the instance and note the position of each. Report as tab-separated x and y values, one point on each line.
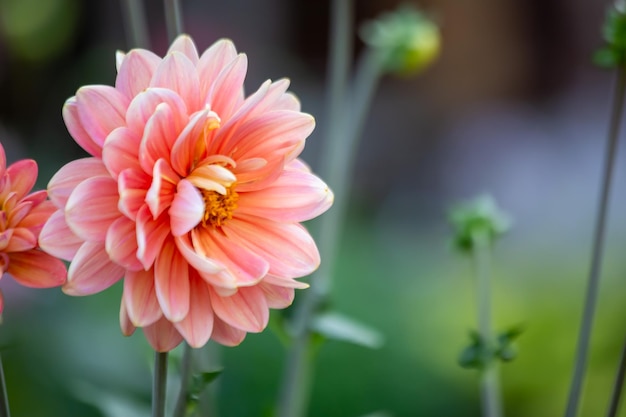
193	195
22	217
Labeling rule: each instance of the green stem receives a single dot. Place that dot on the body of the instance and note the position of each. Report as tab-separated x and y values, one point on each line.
618	386
135	24
158	384
598	248
173	19
185	370
490	377
4	399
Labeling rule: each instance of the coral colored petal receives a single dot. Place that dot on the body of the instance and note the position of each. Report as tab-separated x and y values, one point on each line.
136	71
23	175
151	233
132	186
285	282
36	269
213	61
277	296
186	148
121	150
38	215
159	135
226	93
184	44
144	106
246	310
57	239
171	276
3	162
209	269
163	188
69	176
247	267
225	334
101	109
177	73
162	335
126	325
197	326
140	298
289	248
17	214
92	207
91	271
21	240
75	127
187	209
121	244
295	196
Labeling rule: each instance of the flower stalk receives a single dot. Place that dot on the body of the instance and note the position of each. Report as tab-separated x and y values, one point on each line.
173	19
4	399
618	385
185	373
135	24
159	384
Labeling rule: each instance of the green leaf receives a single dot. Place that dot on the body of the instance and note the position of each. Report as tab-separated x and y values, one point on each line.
336	326
199	382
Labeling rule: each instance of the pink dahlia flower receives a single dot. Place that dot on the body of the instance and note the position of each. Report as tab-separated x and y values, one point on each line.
193	194
22	217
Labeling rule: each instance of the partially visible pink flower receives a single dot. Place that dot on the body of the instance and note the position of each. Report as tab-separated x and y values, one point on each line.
193	194
22	216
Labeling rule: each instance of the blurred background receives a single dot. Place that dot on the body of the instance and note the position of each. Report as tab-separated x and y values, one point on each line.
513	107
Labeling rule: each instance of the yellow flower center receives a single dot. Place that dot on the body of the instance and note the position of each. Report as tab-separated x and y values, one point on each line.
219	208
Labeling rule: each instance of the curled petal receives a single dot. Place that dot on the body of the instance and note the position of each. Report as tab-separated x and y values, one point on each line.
101	109
277	296
23	175
76	129
57	238
127	327
121	244
69	176
140	298
159	135
197	326
209	269
91	271
171	276
226	93
162	335
132	186
187	209
188	147
151	233
21	240
162	190
135	71
121	151
246	310
144	105
225	334
37	269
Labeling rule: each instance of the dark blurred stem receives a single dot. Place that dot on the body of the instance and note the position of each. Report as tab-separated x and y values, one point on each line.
173	19
598	248
491	397
135	24
4	399
618	386
185	370
158	384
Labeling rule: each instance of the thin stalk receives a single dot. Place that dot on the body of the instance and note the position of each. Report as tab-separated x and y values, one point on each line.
591	295
618	386
185	370
173	19
158	384
490	377
4	399
135	24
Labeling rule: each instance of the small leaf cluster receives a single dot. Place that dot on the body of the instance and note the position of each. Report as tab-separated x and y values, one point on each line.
613	53
479	354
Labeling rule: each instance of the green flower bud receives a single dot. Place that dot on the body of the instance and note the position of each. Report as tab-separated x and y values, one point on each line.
407	40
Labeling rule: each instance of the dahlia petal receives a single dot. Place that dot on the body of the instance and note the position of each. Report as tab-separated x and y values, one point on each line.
119	59
126	325
76	129
163	188
5	239
140	298
36	269
171	277
185	150
246	310
226	93
23	175
162	129
135	71
177	73
57	238
285	282
132	186
245	266
69	176
295	196
197	326
36	197
209	269
3	162
101	109
277	296
225	334
19	212
1	303
121	150
213	61
184	44
187	209
151	234
121	244
297	165
21	240
144	106
91	270
211	177
289	248
162	335
92	207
